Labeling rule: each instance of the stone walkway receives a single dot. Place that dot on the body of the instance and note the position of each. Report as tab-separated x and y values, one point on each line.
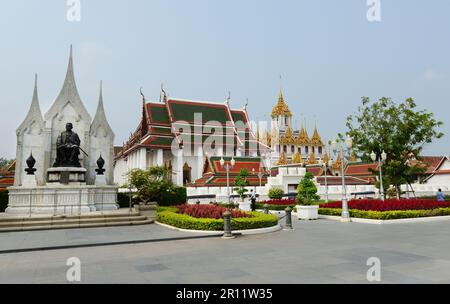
315	252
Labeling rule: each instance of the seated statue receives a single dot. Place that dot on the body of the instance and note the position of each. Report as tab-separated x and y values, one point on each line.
68	148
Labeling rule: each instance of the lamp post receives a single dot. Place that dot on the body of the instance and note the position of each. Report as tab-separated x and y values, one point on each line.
326	165
339	148
381	160
228	166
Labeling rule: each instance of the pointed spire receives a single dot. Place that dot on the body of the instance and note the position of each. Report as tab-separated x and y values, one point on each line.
68	93
100	116
34	113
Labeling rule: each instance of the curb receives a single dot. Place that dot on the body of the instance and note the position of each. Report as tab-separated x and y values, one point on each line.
389	222
220	233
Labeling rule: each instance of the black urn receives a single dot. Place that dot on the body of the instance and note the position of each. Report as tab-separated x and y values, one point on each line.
100	165
30	163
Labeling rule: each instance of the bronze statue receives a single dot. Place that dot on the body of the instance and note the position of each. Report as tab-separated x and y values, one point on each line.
68	148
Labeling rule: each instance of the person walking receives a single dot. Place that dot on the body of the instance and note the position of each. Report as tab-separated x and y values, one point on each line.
440	196
253	200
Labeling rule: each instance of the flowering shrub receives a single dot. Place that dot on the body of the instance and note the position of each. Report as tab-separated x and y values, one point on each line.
209	211
280	202
391	204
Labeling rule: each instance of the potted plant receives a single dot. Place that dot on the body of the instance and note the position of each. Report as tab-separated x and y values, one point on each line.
306	196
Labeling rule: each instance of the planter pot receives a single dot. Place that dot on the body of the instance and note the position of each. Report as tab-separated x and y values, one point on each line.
307	212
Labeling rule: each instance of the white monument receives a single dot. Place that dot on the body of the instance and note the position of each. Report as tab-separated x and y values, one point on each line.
42	185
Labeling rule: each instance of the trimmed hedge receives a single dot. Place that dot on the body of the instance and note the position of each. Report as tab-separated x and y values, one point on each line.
179	197
274	207
3	200
387	215
170	217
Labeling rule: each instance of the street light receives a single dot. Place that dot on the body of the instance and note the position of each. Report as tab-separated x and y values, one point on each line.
228	166
381	160
339	148
326	165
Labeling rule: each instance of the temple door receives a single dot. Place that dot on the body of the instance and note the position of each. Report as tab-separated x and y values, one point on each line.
187	171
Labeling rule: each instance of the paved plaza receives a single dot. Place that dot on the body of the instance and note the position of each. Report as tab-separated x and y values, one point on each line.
315	252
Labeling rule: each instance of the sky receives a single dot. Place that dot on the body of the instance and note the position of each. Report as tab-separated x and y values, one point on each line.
328	54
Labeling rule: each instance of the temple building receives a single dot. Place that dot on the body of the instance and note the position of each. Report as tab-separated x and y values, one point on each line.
290	146
182	134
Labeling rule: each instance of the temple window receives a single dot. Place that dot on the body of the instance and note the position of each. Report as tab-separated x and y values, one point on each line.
320	150
285	149
299	150
292	149
313	150
306	149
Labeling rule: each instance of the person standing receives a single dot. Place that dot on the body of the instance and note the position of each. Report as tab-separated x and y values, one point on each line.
440	196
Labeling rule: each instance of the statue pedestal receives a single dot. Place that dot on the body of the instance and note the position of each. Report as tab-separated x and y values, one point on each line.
100	180
29	181
67	175
58	199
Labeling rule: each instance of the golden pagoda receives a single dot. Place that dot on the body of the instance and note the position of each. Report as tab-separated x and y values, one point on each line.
283	160
297	159
303	138
316	140
353	157
337	165
312	159
281	108
288	138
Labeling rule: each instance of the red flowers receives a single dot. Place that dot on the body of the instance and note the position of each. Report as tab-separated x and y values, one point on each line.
209	211
390	204
281	202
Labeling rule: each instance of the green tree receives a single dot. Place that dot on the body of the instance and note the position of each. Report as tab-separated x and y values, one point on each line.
241	182
401	130
5	162
151	184
307	190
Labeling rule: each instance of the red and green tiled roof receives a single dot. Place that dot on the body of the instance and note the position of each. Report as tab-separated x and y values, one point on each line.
361	169
215	175
161	123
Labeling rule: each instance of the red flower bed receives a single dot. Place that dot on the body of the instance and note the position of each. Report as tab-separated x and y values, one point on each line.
281	202
209	211
391	204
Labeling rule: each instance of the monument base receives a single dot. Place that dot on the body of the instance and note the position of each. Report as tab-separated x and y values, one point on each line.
66	175
58	199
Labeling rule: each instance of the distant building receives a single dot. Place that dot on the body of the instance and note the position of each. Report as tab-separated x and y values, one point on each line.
290	145
7	177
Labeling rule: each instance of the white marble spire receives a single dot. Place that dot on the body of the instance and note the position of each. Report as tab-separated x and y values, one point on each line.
34	113
100	119
68	94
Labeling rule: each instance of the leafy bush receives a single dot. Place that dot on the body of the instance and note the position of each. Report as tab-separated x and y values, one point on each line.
175	196
391	204
3	200
155	185
170	217
307	190
387	215
209	211
276	193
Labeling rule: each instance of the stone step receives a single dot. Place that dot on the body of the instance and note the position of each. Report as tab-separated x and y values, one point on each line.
72	220
80	225
74	216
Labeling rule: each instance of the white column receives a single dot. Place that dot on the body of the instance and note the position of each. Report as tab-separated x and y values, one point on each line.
160	157
199	170
143	158
220	151
238	152
179	162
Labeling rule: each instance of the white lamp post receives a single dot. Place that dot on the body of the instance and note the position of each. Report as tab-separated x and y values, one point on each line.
339	148
326	165
228	166
381	160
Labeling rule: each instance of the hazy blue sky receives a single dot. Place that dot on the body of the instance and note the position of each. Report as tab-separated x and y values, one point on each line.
328	53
